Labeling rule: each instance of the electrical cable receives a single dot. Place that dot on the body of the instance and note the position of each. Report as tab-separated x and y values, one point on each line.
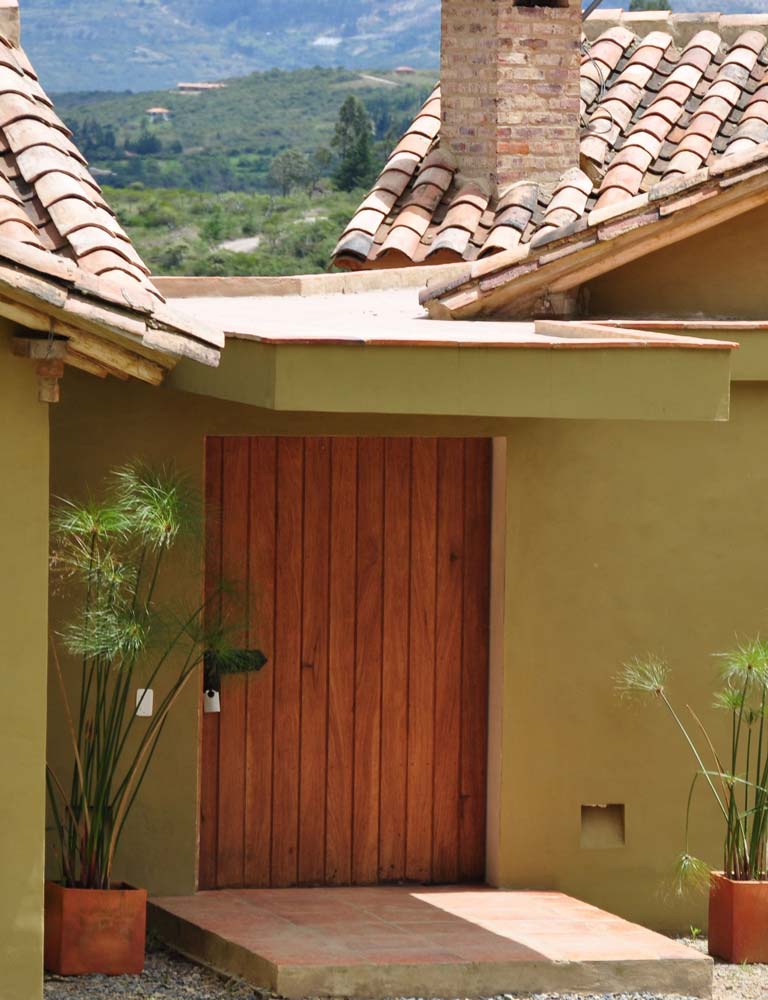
589	8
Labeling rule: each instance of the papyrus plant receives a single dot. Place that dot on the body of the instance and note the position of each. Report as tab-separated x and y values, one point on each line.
735	774
114	553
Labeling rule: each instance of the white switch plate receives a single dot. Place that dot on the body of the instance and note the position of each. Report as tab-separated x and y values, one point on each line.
211	702
144	702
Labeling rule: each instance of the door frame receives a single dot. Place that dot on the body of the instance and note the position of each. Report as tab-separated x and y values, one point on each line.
496	666
496	662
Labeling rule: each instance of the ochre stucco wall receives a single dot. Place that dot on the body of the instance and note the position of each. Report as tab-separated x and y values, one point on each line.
720	273
97	426
621	538
23	626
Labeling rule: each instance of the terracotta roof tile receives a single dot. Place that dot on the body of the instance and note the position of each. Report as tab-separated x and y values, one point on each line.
512	283
102	260
451	238
393	181
414	143
13	229
402	239
462	215
427	196
653	112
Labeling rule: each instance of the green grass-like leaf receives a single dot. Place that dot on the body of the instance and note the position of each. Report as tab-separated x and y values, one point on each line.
690	874
159	504
113	634
642	676
88	521
747	663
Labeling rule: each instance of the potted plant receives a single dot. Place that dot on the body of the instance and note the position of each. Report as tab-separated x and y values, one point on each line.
736	777
114	553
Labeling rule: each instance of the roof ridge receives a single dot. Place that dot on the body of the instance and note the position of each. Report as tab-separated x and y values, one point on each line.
682	27
10	21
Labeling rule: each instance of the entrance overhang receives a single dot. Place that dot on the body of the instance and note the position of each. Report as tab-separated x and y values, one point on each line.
373	353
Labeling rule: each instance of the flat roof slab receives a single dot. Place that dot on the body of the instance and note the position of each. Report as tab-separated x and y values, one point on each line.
376	351
428	942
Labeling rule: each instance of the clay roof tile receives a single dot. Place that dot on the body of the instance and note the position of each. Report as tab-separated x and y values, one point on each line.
754	40
651	112
47	197
453	238
23	232
413	217
462	215
438	176
393	182
403	240
355	243
501	238
380	200
426	196
55	186
708	40
414	143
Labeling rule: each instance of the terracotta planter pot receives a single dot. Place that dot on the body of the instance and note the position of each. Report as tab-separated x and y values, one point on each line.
738	920
94	930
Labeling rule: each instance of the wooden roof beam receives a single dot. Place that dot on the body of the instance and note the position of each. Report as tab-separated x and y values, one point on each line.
107	356
494	289
48	353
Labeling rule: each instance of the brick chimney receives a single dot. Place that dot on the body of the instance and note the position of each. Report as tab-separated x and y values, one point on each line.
510	88
10	26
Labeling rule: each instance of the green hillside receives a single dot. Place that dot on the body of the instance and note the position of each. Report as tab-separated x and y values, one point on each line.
188	232
195	192
225	140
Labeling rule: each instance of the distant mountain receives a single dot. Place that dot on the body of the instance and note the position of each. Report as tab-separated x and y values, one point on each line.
701	6
724	6
81	45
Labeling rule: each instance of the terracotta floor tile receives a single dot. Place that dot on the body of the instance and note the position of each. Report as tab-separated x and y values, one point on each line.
473	928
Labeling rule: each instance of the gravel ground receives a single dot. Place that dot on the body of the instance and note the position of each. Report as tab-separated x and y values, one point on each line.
168	976
737	982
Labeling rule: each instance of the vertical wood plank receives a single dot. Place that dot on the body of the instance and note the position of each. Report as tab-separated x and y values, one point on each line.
370	565
370	511
394	699
260	686
448	631
474	693
341	661
234	568
314	660
421	682
209	758
287	690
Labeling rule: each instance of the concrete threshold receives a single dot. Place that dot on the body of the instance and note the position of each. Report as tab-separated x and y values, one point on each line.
424	941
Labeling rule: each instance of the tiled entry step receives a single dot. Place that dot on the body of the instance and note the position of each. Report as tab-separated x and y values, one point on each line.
428	942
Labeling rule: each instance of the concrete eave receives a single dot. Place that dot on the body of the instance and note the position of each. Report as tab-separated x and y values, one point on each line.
748	364
613	383
361	344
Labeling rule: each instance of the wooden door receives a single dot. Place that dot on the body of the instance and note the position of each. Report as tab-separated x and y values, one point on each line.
358	754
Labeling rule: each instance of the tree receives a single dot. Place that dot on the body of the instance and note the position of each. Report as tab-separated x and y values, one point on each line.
287	169
147	144
650	5
319	166
353	144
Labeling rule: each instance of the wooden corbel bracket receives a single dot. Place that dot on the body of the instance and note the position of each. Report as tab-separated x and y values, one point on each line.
49	353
